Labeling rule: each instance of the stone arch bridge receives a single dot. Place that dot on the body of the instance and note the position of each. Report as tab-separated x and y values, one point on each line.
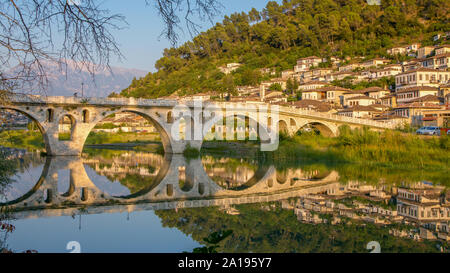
85	113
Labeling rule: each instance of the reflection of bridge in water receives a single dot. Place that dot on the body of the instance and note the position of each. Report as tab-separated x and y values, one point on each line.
165	192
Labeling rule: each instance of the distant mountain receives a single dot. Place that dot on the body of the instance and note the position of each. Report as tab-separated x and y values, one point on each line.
67	80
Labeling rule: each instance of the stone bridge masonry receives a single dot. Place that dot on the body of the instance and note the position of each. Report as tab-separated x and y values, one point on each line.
86	113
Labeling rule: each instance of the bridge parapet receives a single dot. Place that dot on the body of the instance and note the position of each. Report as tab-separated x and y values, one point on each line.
333	117
286	110
36	99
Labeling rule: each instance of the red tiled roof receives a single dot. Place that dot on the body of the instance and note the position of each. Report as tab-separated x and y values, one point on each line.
427	98
360	108
361	98
421	69
418	105
417	88
371	89
318	105
314	82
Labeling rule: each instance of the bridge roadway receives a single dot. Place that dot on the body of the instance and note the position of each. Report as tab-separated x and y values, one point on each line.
201	118
267	185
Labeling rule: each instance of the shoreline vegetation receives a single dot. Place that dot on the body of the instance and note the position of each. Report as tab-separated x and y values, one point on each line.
387	149
367	155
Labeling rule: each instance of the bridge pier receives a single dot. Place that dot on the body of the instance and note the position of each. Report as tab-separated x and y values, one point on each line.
72	147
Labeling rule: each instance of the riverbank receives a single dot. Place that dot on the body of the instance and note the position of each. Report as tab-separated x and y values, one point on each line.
24	139
96	138
33	140
388	148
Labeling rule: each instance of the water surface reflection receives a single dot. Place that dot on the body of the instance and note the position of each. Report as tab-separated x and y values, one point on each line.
292	208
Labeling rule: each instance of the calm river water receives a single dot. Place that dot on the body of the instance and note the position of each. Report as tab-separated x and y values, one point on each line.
127	201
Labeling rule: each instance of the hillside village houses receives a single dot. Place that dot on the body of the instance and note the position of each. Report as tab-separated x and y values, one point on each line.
423	52
125	122
422	77
401	50
229	68
421	93
304	64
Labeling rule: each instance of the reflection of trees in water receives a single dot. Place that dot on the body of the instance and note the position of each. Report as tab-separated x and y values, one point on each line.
14	161
6	228
391	174
7	169
22	161
134	170
263	228
366	172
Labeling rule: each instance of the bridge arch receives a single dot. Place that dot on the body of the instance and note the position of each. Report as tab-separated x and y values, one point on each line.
36	121
248	121
62	127
254	178
293	123
281	176
36	187
324	128
163	132
163	172
283	126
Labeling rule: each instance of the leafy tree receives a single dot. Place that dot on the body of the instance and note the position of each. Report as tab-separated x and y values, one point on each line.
292	86
228	86
275	87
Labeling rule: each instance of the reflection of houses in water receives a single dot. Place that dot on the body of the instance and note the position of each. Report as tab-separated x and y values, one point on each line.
375	193
13	153
307	216
427	206
220	171
143	164
310	209
421	205
228	209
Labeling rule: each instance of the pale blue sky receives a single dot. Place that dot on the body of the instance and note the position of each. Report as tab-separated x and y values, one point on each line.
140	42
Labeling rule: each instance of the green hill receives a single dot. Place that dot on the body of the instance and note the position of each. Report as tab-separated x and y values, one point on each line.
280	34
